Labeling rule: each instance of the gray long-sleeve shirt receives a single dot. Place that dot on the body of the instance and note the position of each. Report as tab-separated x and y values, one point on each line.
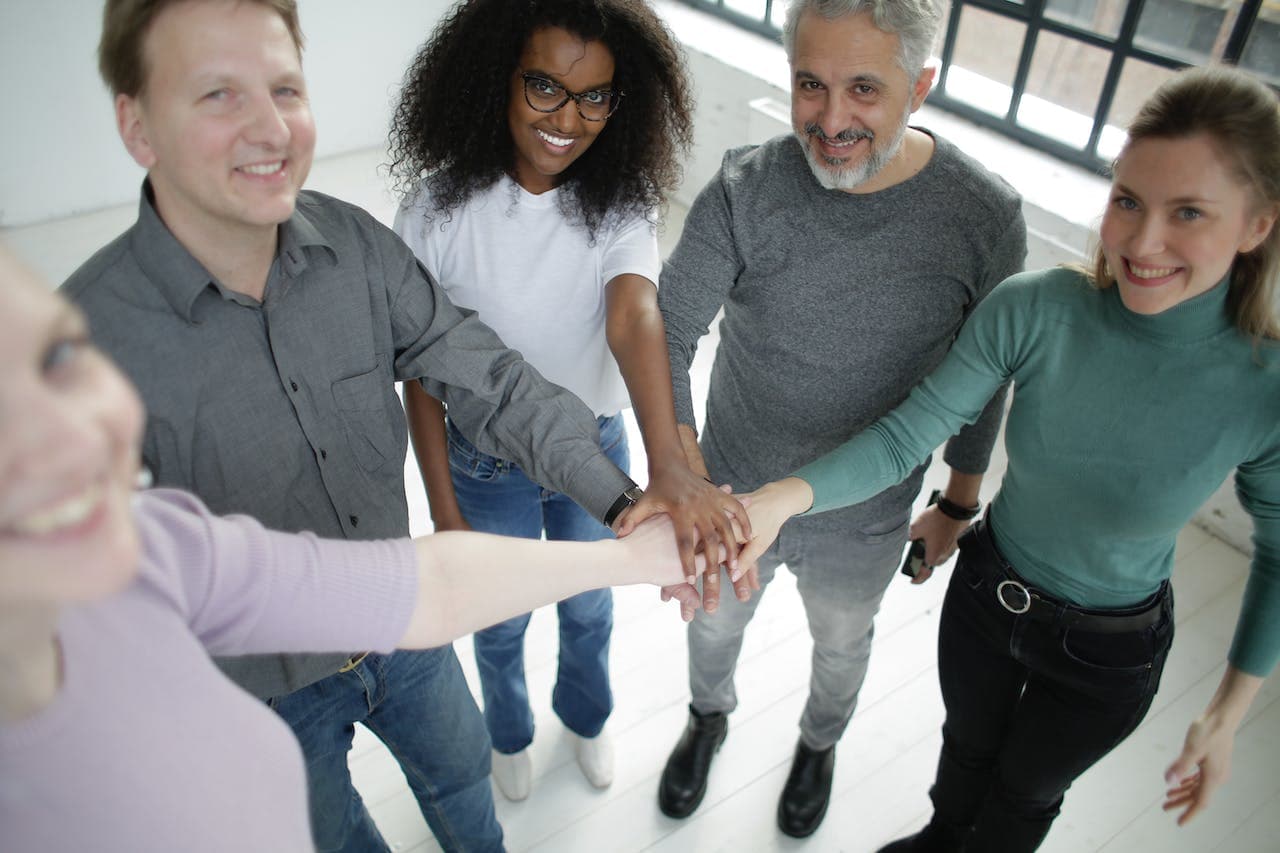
287	411
835	306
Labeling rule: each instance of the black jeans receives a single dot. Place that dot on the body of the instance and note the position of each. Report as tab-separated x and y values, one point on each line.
1030	704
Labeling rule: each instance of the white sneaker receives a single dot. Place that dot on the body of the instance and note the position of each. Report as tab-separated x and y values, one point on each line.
595	757
513	773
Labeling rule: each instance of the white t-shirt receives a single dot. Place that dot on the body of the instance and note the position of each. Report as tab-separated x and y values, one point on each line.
535	278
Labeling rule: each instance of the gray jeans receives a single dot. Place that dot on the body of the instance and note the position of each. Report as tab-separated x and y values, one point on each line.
841	576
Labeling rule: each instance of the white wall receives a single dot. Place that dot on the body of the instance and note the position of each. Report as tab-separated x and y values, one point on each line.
59	153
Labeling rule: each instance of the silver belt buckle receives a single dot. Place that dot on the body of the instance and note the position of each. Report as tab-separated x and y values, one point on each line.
1021	591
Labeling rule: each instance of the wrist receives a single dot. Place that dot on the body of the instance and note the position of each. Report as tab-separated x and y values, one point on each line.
958	511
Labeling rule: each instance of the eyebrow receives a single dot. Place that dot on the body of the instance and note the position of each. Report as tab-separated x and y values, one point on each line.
1180	200
863	77
555	78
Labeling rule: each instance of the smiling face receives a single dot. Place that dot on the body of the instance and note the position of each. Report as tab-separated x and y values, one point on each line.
70	426
1177	218
548	143
223	125
850	99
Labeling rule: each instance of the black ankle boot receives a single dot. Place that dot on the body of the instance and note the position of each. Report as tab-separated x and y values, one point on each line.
807	792
684	779
934	838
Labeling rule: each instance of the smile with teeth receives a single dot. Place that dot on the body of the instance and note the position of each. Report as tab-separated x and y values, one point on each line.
65	514
1149	272
263	168
557	141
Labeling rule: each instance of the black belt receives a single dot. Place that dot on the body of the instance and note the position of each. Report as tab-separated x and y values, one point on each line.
1019	598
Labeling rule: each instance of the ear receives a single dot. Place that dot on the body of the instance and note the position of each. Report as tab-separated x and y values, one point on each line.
923	84
132	128
1259	228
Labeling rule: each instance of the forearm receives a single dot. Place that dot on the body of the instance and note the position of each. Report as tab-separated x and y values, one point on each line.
1235	694
639	345
692	452
431	448
468	580
963	489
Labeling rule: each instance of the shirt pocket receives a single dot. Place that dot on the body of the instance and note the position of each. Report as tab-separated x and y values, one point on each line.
362	404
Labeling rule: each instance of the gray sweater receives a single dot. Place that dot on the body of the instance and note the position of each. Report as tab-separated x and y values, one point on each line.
835	306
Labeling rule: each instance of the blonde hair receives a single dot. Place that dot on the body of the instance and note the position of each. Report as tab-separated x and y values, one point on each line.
1242	117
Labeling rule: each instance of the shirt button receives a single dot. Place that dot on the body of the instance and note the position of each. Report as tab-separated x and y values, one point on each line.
355	521
293	385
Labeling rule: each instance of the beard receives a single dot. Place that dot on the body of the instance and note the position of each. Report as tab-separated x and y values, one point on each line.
834	173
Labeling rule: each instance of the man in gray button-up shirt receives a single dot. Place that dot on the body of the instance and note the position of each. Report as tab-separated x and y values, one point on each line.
266	338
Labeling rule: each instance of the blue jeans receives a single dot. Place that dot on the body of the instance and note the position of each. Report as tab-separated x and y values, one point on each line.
418	704
495	496
1030	704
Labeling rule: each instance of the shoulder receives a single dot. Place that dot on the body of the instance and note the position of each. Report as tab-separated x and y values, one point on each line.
774	159
102	273
974	186
1036	289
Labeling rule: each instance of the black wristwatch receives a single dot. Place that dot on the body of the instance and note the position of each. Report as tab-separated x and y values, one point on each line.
951	509
626	499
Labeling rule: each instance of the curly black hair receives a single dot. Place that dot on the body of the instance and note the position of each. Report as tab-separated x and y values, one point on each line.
450	126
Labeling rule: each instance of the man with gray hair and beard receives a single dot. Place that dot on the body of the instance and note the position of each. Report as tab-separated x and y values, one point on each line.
846	257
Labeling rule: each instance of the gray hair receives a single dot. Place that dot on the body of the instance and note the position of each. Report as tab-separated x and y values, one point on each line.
914	22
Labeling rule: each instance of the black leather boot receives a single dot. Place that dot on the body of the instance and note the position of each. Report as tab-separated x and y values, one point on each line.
684	779
807	792
934	838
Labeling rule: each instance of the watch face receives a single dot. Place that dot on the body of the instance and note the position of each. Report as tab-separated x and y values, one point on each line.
634	493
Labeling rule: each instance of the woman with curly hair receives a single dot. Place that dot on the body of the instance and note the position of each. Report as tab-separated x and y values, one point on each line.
535	143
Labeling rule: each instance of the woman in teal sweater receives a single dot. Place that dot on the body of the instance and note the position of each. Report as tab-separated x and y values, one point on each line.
1139	386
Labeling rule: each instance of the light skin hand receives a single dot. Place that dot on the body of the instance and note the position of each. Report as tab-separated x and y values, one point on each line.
1205	762
770	507
938	530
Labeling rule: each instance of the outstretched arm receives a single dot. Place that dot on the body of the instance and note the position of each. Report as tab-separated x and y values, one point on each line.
468	580
699	511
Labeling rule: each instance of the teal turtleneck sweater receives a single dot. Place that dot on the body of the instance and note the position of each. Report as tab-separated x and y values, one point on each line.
1121	426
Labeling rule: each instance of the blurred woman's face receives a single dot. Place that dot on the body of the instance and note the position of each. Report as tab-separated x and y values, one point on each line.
1177	218
69	432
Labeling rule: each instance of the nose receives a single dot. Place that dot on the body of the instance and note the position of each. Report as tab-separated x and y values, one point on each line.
266	125
567	120
836	115
1148	237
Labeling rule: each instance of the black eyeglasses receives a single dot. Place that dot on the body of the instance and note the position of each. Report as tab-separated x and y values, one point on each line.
547	96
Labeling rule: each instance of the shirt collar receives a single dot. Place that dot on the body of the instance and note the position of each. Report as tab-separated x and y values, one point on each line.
180	278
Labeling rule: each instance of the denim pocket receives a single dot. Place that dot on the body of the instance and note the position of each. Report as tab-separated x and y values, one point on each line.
1131	652
466	460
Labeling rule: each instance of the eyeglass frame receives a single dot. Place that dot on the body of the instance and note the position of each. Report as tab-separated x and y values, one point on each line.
576	97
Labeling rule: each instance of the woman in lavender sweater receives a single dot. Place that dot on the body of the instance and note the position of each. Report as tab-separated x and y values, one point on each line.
116	730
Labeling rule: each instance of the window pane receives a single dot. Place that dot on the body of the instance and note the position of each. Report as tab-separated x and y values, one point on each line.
750	8
985	59
1262	51
1062	89
1099	16
778	13
1138	80
1190	30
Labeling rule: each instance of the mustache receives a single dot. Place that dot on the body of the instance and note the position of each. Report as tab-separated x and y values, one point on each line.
849	134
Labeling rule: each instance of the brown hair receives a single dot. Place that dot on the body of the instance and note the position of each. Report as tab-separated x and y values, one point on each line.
1242	117
124	28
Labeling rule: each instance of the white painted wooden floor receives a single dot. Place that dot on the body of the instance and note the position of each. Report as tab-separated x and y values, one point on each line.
885	762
